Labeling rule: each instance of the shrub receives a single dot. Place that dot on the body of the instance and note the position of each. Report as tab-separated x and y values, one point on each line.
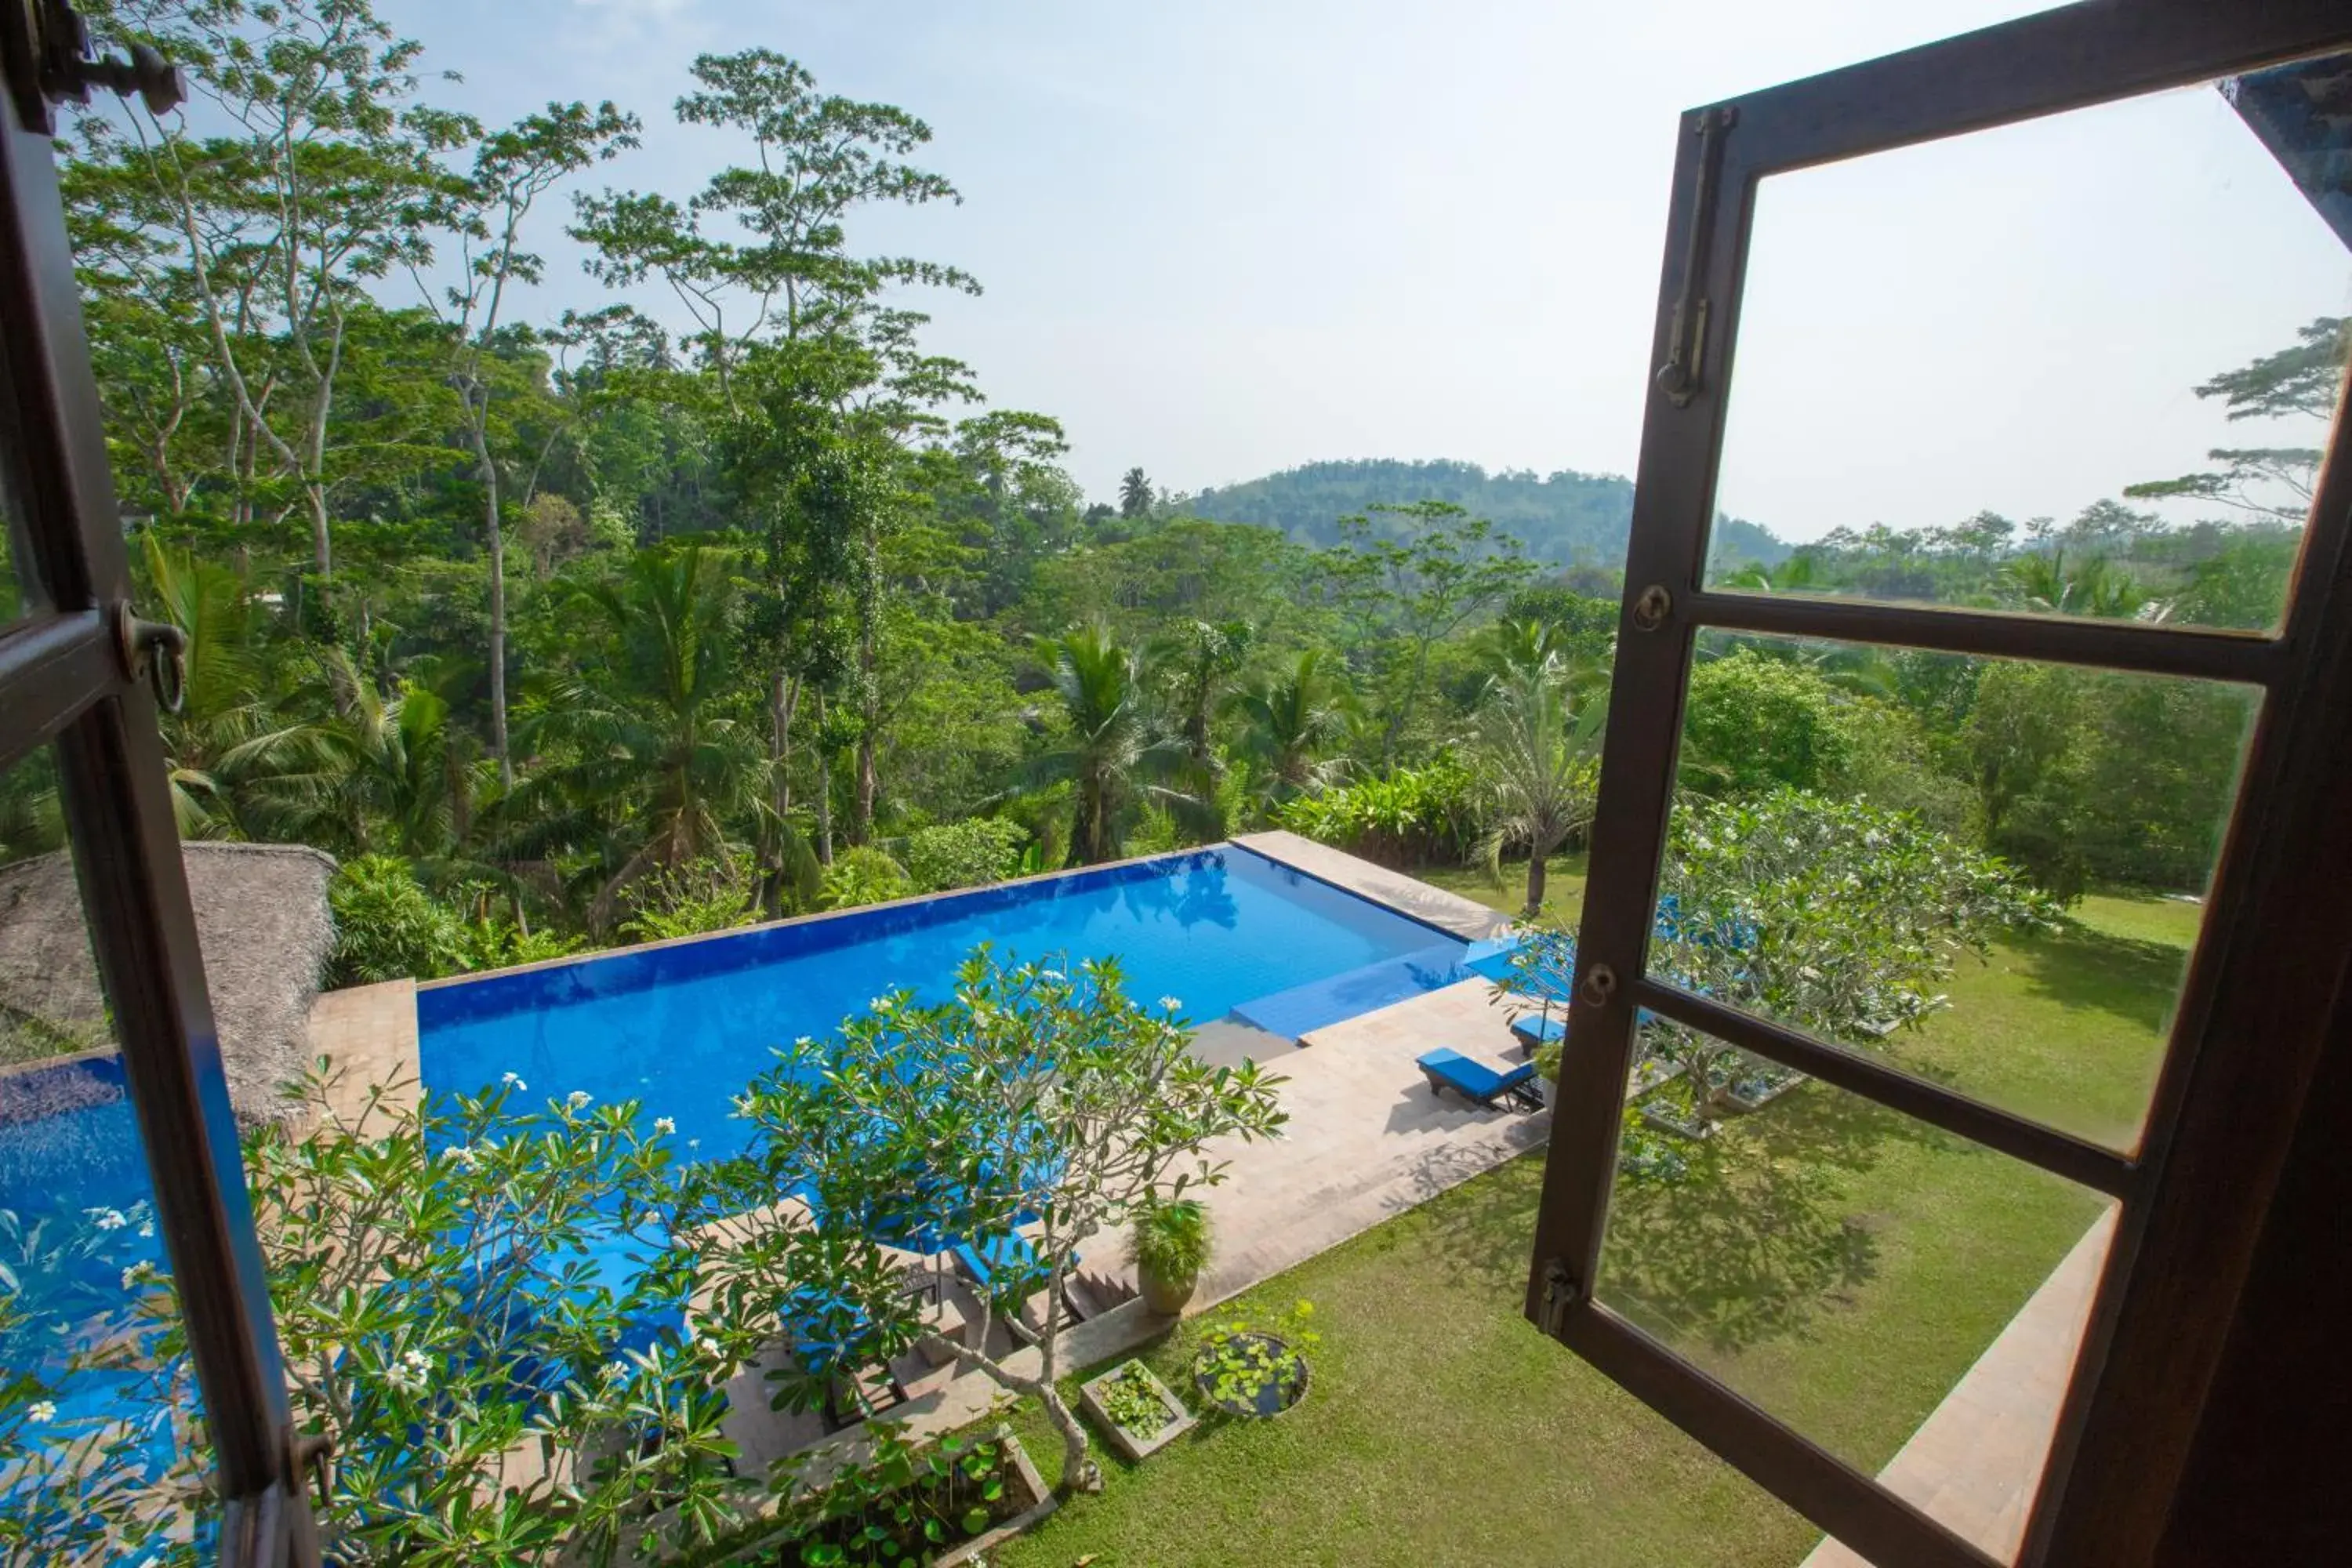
863	875
1415	816
967	854
700	896
388	927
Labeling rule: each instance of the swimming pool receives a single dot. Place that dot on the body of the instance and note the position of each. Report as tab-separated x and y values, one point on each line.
685	1028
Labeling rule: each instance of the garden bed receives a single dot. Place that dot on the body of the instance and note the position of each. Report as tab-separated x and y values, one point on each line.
1129	1393
960	1501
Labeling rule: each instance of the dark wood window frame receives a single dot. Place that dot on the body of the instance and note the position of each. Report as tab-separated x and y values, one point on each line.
2268	969
72	673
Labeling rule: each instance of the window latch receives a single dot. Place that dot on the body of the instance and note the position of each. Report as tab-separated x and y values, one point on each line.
1687	333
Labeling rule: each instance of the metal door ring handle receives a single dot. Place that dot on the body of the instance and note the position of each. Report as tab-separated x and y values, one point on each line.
159	651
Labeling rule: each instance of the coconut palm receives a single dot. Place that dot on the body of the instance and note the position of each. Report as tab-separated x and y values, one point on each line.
229	692
1291	715
372	774
1110	757
1201	661
1532	756
654	756
2049	584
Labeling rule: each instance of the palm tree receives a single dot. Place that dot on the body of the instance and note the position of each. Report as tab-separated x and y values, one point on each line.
656	756
1111	752
1531	754
1291	716
374	773
229	686
1134	494
2095	586
1202	660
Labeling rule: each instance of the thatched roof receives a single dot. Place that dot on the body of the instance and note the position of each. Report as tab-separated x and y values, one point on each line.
262	922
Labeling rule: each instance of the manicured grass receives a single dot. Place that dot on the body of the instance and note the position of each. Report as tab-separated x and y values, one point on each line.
1845	1271
1563	885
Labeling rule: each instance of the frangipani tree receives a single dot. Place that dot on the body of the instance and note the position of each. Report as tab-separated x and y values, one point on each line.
1837	917
481	1300
1035	1102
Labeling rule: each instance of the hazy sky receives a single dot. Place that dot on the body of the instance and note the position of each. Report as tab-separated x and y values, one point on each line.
1228	237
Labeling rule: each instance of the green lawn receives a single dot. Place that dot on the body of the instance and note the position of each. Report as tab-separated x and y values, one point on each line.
1844	1275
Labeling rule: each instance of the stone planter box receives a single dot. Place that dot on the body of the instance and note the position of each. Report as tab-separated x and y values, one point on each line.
1133	1448
1018	1470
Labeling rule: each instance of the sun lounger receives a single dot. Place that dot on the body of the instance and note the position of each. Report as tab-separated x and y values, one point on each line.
1475	1081
1534	1029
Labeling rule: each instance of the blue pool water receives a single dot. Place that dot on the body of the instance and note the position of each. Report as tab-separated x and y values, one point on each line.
684	1028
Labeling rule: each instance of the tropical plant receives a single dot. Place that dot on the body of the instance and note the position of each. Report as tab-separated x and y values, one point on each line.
1293	717
1413	816
387	927
656	752
1535	769
1131	1399
1109	756
699	897
1034	1099
1170	1238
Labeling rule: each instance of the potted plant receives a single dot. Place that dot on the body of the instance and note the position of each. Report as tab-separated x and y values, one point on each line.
1170	1246
1252	1369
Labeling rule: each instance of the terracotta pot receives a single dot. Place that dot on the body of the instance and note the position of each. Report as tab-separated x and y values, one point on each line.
1165	1297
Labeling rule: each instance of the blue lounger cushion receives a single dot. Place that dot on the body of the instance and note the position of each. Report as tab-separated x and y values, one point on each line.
1535	1029
1475	1080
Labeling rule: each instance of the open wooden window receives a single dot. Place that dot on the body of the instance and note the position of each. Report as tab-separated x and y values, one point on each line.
2192	1182
74	669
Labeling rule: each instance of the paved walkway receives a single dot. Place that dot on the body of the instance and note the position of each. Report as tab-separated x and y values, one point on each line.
1465	918
1974	1465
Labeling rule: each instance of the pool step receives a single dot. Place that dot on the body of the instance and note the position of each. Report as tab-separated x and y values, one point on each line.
1294	1013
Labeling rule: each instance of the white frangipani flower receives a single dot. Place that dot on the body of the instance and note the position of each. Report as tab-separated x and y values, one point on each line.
578	1099
514	1082
41	1410
665	1126
1170	1004
107	1219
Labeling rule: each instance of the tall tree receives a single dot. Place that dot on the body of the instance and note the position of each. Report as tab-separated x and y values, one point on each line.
1427	569
326	177
819	157
512	169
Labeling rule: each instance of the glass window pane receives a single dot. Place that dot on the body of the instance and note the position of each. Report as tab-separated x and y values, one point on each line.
1906	1299
1987	872
97	1403
2081	365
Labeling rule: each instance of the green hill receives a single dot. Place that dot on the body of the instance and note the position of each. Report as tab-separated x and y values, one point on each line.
1568	519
